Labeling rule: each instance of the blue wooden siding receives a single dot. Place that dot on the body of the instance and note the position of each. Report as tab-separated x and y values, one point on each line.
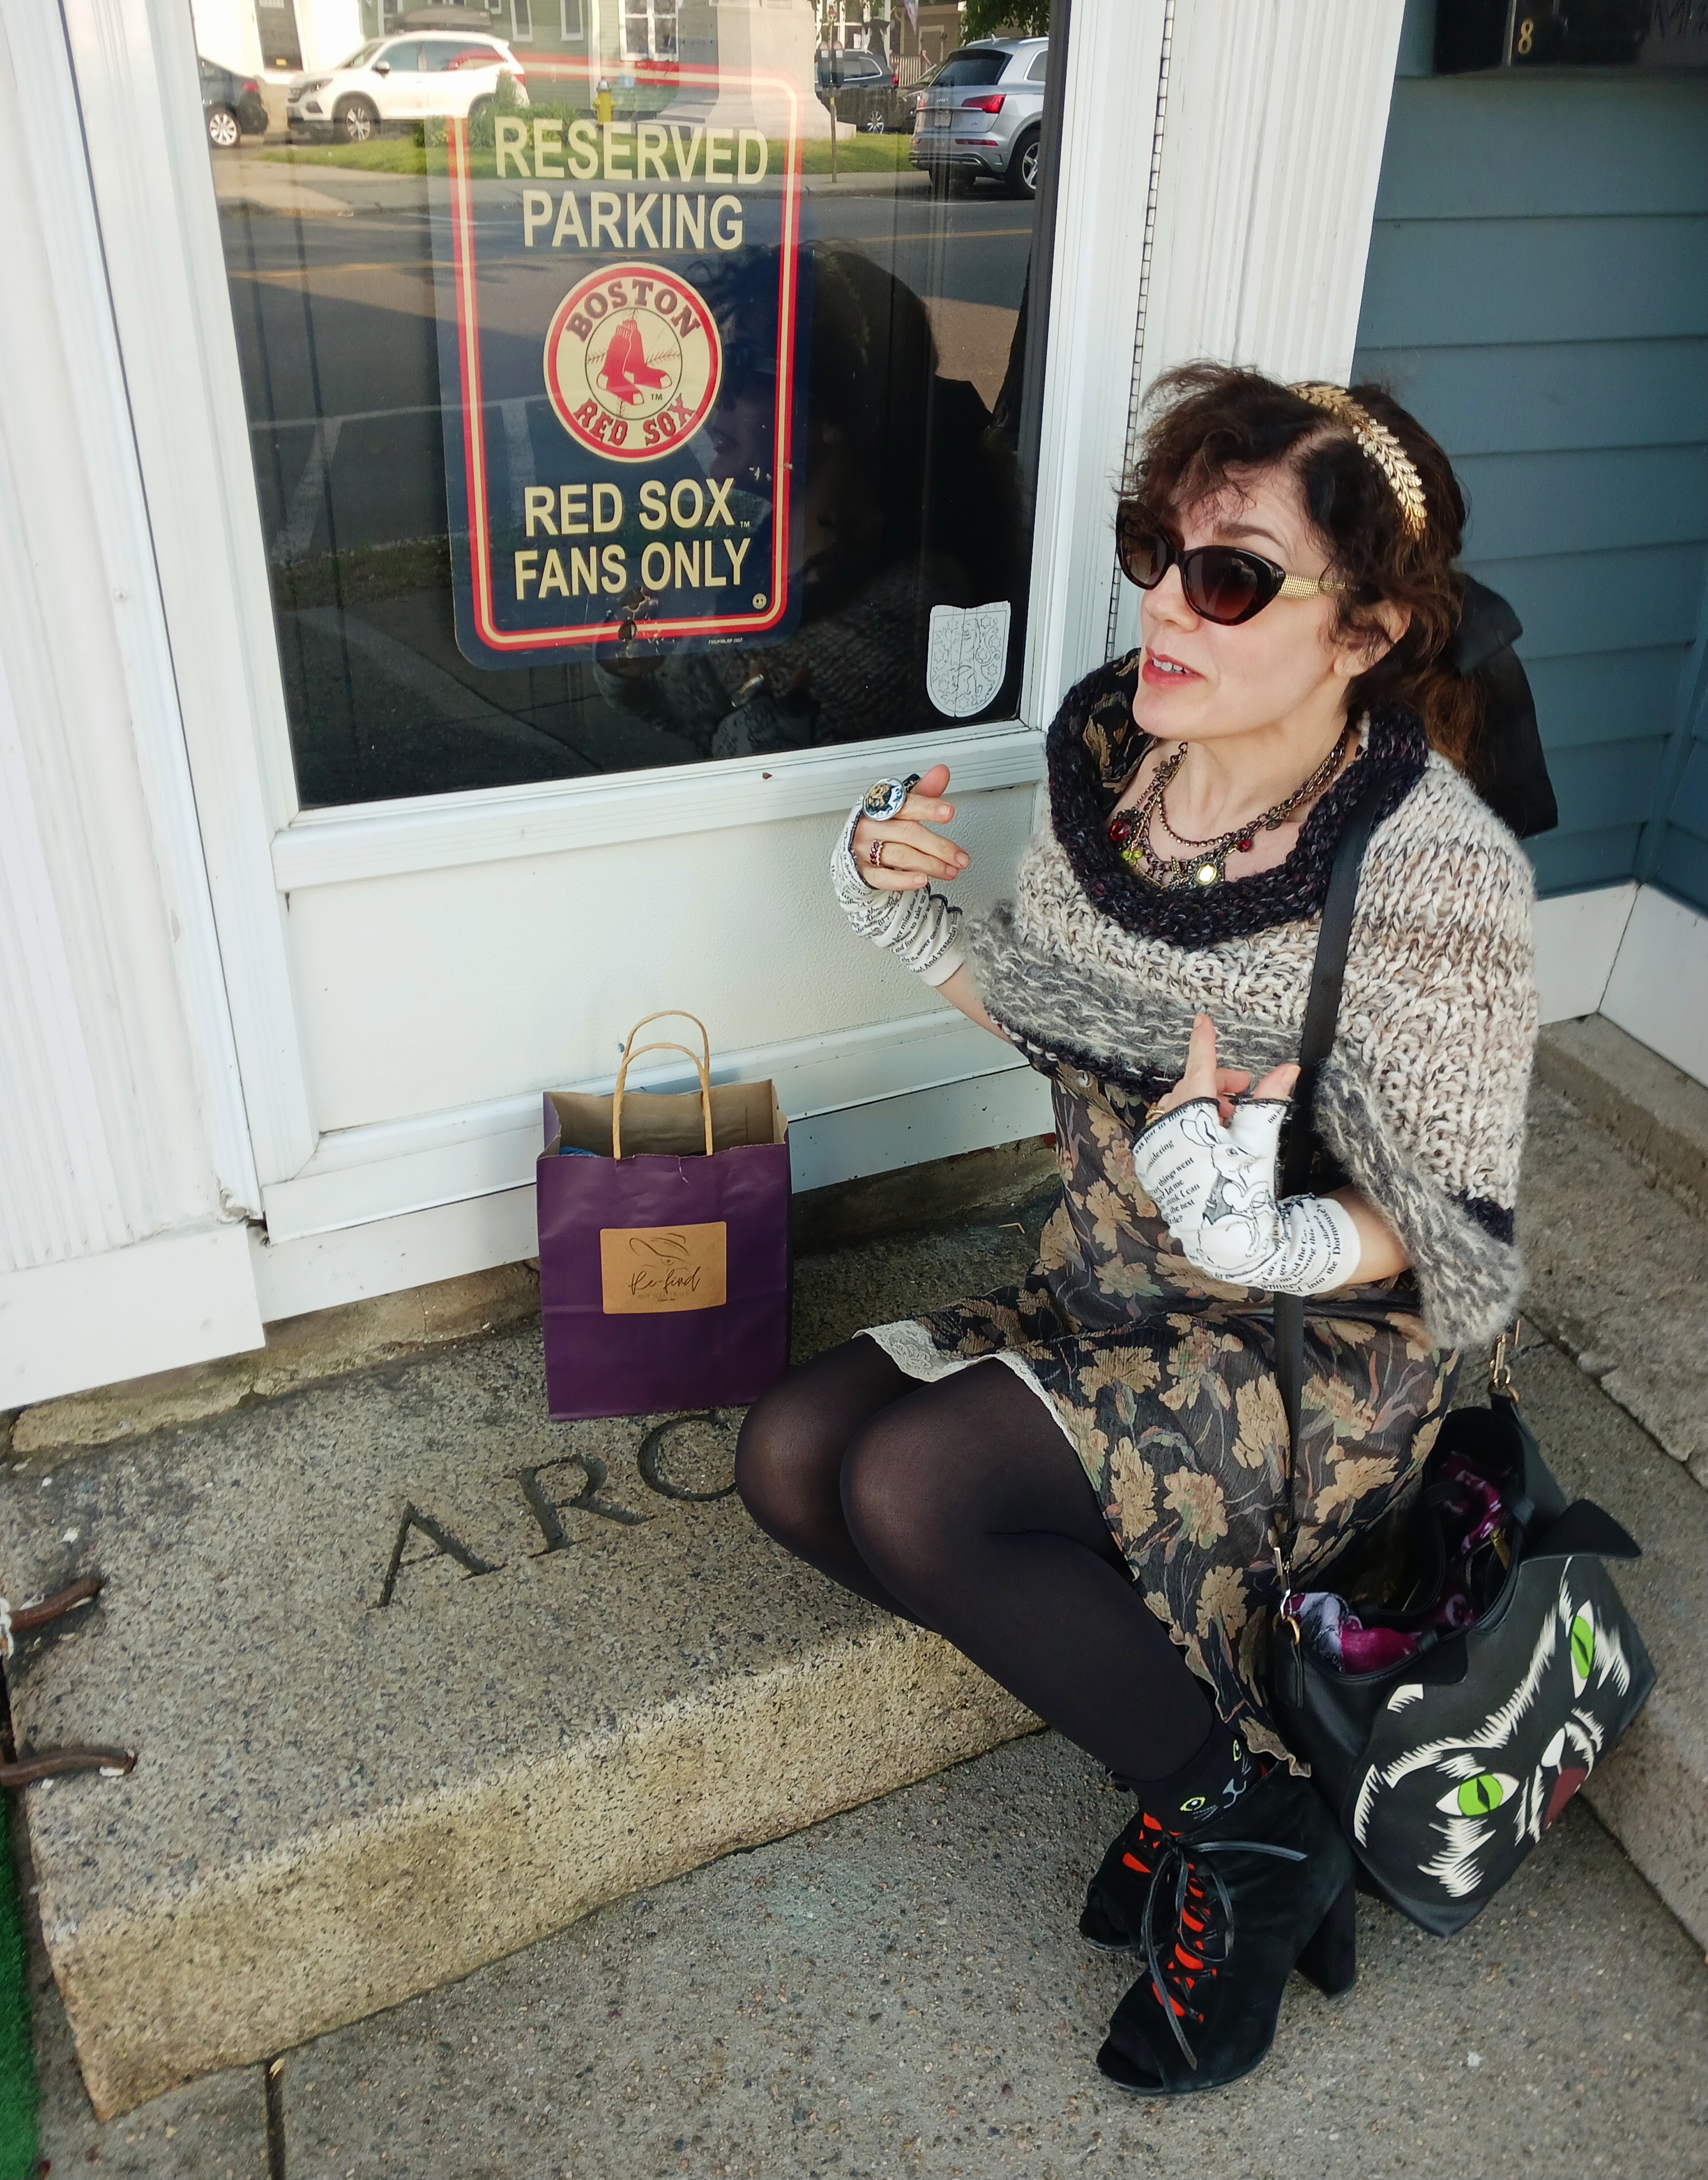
1537	293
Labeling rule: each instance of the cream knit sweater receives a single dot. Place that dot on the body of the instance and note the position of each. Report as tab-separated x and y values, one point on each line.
1422	1100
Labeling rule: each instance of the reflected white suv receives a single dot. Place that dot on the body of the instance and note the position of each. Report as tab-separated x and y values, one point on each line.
401	79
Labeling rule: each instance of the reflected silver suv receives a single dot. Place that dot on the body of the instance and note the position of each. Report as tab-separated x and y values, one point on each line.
984	114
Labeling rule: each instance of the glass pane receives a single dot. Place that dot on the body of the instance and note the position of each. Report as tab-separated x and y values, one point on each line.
439	53
609	411
976	64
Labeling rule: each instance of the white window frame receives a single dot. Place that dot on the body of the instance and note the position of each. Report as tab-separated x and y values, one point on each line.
572	19
520	10
1087	370
140	100
140	96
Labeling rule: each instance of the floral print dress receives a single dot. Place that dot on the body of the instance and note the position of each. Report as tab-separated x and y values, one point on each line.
1164	1381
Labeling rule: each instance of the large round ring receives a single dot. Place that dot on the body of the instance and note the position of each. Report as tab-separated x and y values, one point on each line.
886	798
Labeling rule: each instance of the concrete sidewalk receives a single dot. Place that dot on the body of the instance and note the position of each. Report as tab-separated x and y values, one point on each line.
902	1990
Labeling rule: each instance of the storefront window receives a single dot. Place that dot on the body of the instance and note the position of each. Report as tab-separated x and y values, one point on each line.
607	413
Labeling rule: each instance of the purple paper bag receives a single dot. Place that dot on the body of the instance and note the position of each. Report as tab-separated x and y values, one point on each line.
665	1262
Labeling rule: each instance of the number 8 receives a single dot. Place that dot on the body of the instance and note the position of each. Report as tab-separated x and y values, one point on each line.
1527	31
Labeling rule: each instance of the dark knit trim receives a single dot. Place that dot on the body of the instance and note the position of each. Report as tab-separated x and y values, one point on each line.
1494	1219
1147	1083
1095	744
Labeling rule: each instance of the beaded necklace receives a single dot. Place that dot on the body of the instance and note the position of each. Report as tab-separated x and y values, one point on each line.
1130	830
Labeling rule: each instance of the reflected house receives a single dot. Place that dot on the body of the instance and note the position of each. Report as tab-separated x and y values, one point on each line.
744	39
280	36
741	38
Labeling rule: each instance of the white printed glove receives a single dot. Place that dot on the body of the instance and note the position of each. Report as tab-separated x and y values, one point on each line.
1214	1188
918	926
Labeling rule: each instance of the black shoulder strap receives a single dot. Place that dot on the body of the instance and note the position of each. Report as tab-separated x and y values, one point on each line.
1316	1042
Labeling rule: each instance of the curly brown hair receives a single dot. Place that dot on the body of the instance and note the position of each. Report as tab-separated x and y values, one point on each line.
1210	423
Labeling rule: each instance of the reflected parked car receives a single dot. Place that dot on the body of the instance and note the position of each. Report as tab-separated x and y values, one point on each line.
858	87
913	96
392	80
984	114
232	105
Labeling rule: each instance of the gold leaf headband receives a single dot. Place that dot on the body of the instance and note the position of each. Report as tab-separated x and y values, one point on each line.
1377	441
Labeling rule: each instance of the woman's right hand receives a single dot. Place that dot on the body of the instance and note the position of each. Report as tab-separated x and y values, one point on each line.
913	855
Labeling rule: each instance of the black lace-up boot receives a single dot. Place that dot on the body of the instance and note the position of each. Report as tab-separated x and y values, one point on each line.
1222	1910
1209	1785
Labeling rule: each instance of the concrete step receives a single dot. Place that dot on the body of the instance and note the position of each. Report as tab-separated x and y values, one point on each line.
1654	1109
417	1677
1652	1791
903	1990
1618	1267
376	1753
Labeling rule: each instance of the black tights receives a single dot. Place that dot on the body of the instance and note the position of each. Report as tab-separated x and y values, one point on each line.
961	1506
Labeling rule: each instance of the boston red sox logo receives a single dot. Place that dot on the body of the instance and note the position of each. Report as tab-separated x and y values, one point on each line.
632	362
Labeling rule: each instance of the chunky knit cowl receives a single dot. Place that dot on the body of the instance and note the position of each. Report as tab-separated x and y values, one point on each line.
1421	1103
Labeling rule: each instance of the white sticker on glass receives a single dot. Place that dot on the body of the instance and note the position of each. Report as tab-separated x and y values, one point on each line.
967	657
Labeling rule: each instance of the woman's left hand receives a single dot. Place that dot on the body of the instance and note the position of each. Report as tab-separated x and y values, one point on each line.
1203	1079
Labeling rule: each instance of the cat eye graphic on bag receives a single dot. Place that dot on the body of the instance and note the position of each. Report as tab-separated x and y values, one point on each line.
1487	1791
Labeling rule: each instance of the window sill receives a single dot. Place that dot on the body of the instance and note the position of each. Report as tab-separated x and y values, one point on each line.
385	840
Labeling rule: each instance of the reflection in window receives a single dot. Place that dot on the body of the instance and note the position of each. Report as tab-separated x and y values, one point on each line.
975	66
648	29
920	305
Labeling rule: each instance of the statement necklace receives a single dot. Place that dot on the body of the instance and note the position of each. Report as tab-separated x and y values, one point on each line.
1130	830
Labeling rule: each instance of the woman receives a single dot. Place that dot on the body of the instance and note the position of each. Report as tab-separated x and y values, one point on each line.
1085	1483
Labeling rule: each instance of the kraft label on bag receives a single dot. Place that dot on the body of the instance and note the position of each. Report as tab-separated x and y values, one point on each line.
647	1269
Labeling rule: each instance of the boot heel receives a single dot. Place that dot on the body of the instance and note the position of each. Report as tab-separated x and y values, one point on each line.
1330	1957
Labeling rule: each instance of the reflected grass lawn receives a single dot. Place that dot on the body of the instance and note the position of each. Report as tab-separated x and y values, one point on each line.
405	154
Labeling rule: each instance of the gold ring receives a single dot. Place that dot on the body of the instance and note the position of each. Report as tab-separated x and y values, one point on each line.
875	856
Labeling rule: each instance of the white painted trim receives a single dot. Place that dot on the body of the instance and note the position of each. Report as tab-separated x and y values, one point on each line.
382	839
51	128
156	1305
397	1167
318	1271
146	149
888	1134
1658	991
1577	939
322	1271
1114	56
1272	151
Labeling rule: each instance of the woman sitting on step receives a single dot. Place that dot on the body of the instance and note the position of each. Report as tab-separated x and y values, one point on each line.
1085	1481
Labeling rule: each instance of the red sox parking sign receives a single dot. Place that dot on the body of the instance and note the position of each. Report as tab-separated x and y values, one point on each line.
619	310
